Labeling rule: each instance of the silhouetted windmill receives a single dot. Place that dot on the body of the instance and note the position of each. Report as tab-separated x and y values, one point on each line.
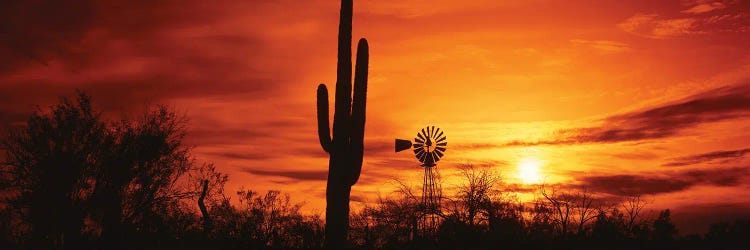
429	146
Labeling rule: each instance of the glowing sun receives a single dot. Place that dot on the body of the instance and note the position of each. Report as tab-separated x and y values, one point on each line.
528	170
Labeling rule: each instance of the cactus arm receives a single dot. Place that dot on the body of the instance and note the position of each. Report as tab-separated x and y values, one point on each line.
358	109
324	130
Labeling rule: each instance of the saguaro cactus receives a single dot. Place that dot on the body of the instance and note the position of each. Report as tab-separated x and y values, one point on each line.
346	146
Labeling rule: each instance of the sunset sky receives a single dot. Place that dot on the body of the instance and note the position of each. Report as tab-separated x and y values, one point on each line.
623	97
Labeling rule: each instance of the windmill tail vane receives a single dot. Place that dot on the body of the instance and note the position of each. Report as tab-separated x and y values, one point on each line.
402	145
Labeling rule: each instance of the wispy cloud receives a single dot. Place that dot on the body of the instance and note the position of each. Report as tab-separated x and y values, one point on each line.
697	218
241	156
634	184
656	183
675	27
704	7
658	26
368	177
652	26
635	155
667	120
602	46
299	175
721	156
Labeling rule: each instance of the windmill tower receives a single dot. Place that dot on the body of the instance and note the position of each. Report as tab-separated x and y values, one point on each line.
429	146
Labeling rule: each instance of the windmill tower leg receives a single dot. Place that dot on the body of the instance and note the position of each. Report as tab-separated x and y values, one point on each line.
430	203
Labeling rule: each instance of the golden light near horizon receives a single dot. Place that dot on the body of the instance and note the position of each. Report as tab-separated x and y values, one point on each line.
528	170
622	97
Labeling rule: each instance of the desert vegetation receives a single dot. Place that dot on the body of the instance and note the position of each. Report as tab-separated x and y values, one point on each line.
74	180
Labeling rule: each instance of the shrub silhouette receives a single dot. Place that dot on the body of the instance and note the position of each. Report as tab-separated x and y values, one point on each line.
74	174
346	147
51	159
664	229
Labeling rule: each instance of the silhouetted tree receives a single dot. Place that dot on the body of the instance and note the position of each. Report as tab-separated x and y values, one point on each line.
474	196
207	224
632	208
584	209
49	161
392	221
506	220
541	225
137	184
208	184
664	229
265	221
74	174
608	225
562	205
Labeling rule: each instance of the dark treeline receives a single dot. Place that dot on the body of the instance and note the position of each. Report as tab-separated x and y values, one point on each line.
72	180
486	214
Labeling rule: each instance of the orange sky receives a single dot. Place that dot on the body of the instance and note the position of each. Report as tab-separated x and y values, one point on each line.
648	97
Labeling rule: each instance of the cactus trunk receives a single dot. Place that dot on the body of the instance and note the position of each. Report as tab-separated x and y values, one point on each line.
346	147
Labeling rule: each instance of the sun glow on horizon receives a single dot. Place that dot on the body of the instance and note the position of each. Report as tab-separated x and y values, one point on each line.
528	170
